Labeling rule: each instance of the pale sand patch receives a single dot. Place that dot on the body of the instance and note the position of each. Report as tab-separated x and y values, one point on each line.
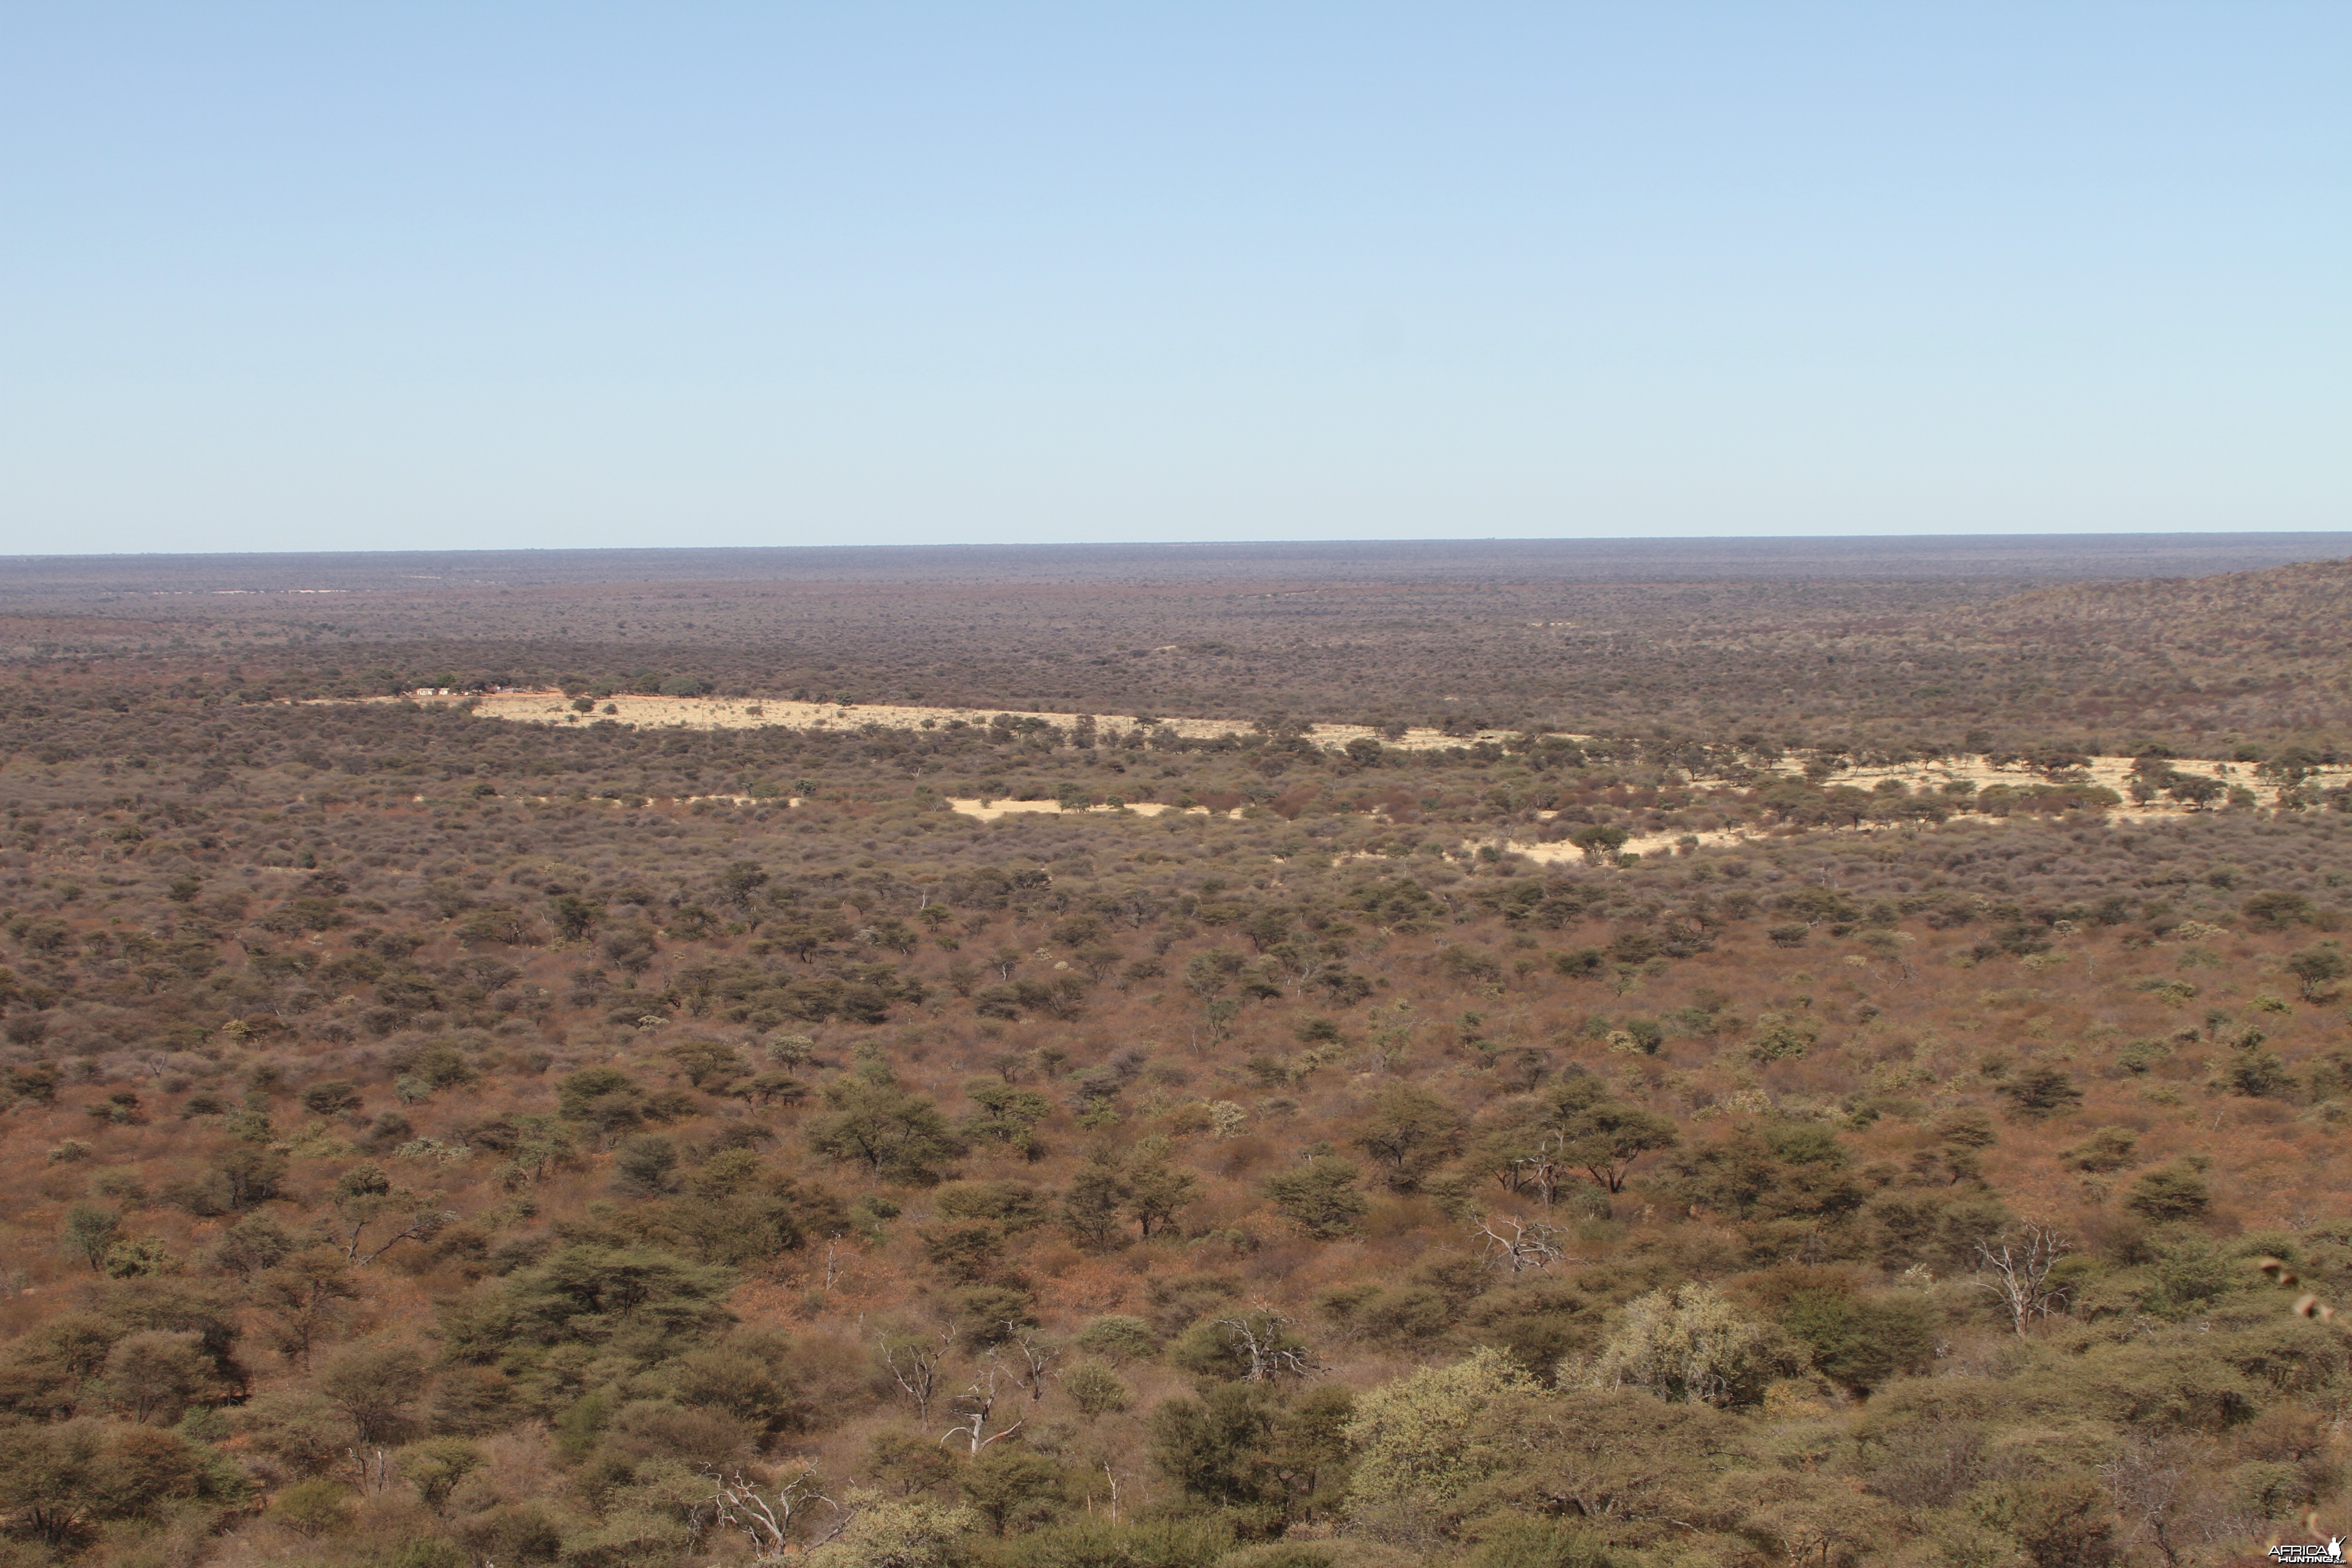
750	713
1661	844
670	799
551	707
1658	846
1645	844
743	713
2111	773
989	810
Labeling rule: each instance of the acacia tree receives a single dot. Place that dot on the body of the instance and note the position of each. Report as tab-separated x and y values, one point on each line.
1605	1137
2315	967
1411	1132
90	1229
156	1375
375	1385
892	1131
301	1299
1155	1188
1091	1206
1600	842
1207	975
373	1216
1320	1197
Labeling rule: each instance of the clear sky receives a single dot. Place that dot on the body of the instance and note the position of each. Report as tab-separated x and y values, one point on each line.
442	275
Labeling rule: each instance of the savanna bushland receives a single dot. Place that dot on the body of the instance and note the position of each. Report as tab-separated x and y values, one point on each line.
434	1140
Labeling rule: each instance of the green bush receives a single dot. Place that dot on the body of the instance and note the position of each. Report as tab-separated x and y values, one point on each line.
315	1507
1513	1543
2175	1191
1119	1339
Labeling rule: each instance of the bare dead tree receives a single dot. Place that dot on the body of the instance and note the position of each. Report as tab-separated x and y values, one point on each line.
1520	1246
1258	1335
409	1220
2016	1269
914	1365
1541	1171
372	1465
766	1519
977	1405
2150	1481
1300	966
832	1262
1037	1359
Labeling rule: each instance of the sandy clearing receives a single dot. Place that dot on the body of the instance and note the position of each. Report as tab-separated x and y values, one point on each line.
678	799
1660	846
989	810
552	707
2111	773
1554	852
671	801
1655	846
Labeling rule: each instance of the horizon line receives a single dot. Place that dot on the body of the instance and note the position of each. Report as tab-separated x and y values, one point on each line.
1186	545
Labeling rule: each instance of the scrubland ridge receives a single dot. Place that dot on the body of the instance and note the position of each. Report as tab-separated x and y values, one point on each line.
435	1141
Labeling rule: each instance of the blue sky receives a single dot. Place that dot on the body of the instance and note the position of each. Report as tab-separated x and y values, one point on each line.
438	275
